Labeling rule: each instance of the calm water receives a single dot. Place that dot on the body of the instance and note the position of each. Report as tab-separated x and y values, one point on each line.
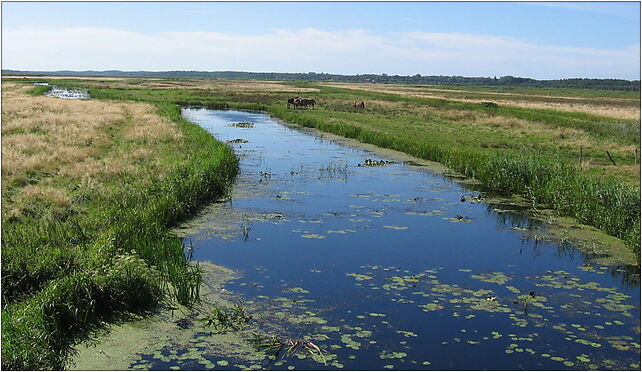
66	93
386	267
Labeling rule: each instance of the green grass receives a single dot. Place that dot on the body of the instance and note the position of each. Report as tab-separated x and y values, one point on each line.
63	276
39	90
598	126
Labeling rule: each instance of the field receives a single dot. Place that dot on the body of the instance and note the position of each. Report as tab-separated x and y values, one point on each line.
571	124
98	182
603	151
619	105
599	148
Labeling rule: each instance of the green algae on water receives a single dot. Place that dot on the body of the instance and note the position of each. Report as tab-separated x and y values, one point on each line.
360	277
492	277
392	355
313	236
395	227
407	333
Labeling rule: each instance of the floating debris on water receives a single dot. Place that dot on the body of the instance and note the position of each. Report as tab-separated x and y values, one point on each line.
375	163
472	198
244	124
457	218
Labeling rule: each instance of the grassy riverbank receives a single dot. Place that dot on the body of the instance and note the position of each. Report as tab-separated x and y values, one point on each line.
606	203
575	151
511	150
89	191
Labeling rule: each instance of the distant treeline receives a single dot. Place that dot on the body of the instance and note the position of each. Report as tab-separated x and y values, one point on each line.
578	83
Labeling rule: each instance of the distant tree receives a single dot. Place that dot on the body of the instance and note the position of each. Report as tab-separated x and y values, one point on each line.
577	83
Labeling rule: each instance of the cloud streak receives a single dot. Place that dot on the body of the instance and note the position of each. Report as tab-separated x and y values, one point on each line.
598	7
281	50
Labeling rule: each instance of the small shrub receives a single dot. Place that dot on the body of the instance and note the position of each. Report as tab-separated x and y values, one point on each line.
489	104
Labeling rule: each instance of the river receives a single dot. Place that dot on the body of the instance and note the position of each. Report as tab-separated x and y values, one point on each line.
385	264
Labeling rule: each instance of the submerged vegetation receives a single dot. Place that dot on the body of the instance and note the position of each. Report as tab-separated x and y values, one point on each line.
89	191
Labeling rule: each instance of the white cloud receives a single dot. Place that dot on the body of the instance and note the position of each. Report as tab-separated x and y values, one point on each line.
613	8
348	52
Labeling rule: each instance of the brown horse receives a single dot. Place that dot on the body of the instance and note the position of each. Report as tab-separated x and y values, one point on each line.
305	102
359	104
293	101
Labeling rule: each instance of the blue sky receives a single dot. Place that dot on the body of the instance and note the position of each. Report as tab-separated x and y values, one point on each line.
540	40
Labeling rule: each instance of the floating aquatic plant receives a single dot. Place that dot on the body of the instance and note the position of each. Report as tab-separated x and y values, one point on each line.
395	227
392	355
287	347
224	319
313	236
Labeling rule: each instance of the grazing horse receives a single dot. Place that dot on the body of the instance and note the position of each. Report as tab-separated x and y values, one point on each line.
305	102
359	104
293	101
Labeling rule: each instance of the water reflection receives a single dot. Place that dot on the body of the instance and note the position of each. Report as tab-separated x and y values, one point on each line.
65	93
387	267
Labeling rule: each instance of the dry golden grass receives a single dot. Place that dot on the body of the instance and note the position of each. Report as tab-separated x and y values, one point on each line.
511	125
254	85
76	77
30	198
45	138
618	112
520	127
620	108
385	104
236	86
432	91
429	90
149	126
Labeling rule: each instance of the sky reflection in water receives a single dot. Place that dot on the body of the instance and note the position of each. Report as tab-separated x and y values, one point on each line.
399	271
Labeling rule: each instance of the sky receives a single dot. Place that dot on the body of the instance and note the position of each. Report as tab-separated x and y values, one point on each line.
541	40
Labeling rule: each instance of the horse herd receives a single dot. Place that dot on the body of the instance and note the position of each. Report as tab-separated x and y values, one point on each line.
301	102
306	102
